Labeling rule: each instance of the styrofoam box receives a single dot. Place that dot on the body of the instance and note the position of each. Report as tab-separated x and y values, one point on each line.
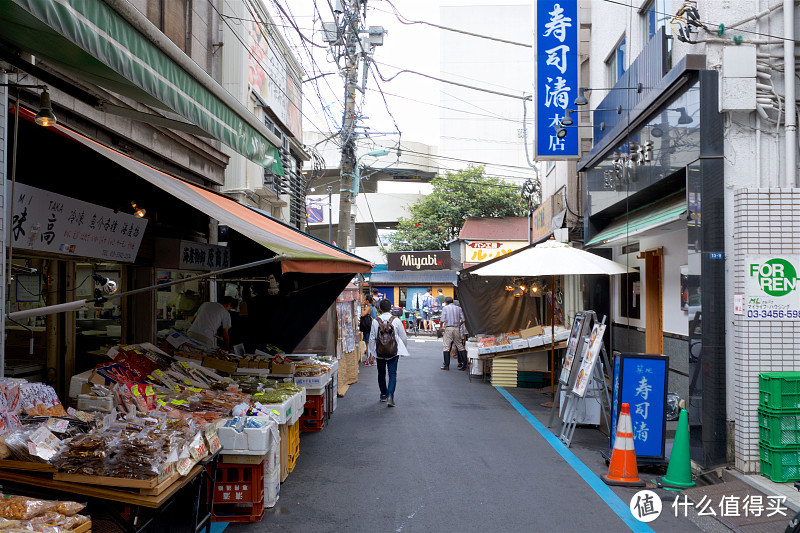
77	381
255	441
315	382
535	342
299	400
562	335
504	348
285	410
87	402
487	349
519	344
272	486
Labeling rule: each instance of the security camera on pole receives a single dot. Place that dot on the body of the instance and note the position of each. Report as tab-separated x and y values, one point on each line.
346	36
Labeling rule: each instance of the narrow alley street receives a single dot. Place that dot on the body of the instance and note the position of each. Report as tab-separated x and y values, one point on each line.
452	456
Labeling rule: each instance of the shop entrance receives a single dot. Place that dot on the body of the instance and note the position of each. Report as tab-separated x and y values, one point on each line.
653	300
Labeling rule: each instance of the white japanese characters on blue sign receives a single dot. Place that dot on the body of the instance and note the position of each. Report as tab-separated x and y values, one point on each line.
640	381
556	76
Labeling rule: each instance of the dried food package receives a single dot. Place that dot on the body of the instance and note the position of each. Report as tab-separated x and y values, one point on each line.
21	508
69	508
40	399
84	454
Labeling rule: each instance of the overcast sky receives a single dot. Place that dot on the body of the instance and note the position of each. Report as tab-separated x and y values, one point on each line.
414	47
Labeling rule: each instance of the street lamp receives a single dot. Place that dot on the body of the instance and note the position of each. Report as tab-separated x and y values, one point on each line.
374	153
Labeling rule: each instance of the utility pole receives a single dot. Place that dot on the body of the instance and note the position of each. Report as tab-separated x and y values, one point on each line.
330	214
352	20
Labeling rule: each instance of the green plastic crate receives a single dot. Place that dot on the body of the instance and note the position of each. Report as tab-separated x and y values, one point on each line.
780	465
779	429
779	390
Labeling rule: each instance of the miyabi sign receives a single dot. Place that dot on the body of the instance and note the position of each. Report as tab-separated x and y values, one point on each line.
772	288
433	260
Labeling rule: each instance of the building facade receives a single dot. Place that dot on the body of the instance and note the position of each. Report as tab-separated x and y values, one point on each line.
690	179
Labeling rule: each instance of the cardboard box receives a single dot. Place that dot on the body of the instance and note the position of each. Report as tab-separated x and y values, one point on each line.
531	332
220	364
282	368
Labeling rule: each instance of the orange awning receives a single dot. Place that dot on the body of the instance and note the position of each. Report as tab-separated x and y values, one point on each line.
302	252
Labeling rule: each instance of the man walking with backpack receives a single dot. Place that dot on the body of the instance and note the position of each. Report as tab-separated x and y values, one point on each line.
387	341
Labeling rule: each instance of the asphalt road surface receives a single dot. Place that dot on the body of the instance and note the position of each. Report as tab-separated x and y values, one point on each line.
453	456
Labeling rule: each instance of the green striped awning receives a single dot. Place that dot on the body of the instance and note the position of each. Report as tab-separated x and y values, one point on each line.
641	220
91	40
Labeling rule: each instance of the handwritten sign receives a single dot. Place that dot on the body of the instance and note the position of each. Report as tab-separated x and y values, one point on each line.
556	76
590	354
49	222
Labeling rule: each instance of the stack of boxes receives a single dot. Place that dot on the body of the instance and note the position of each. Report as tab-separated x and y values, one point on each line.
779	425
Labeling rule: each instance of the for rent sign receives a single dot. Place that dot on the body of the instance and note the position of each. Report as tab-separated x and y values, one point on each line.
772	289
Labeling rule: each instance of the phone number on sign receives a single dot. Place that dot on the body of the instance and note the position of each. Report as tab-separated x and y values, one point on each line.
787	314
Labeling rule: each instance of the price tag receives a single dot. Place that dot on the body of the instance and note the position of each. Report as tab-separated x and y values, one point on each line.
135	391
159	373
149	390
195	389
59	425
178	402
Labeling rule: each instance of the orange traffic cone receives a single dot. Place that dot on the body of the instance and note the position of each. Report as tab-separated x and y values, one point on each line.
622	470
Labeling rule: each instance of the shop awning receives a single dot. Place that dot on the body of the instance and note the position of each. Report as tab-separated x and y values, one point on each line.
641	221
414	277
92	41
303	252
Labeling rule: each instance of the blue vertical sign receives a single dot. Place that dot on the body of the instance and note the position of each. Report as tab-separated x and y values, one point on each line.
556	76
641	381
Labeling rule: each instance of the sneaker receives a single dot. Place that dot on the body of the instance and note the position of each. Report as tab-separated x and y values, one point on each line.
383	397
391	401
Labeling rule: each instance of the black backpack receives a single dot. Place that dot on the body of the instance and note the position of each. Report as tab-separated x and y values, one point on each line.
385	340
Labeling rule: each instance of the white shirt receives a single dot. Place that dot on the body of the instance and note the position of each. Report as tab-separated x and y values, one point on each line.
209	318
399	335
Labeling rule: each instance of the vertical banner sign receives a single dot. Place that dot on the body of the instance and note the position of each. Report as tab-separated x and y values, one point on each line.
590	354
771	287
641	381
556	76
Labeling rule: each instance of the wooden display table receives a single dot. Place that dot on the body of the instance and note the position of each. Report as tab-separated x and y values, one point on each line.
145	509
486	358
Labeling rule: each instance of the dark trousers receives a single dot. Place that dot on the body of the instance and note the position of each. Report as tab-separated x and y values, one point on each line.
391	366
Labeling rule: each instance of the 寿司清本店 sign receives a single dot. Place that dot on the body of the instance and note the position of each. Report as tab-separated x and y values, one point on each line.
556	76
49	222
771	287
430	260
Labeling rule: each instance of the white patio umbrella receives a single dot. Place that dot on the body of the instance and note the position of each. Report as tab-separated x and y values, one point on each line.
551	258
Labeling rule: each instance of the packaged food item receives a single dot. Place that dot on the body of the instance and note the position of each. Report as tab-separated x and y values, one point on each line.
40	399
69	508
22	508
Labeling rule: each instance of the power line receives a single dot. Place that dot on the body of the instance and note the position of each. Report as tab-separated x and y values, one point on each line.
409	22
407	71
448	108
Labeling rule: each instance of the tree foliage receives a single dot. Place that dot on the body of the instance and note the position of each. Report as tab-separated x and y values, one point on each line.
439	216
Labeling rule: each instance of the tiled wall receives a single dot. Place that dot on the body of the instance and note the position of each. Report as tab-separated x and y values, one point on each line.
766	221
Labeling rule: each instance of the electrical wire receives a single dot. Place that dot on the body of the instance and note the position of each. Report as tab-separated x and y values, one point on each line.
712	24
409	22
472	87
448	108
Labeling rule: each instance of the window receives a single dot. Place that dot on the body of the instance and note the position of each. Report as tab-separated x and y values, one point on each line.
654	17
615	64
630	301
172	18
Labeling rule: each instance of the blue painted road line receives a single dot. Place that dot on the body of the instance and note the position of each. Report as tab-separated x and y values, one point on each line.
606	494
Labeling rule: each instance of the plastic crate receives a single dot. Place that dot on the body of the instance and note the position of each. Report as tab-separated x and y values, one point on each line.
779	429
294	439
314	408
312	425
233	512
780	465
779	390
238	483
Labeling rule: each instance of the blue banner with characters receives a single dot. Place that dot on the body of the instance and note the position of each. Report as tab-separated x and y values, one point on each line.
641	381
556	76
